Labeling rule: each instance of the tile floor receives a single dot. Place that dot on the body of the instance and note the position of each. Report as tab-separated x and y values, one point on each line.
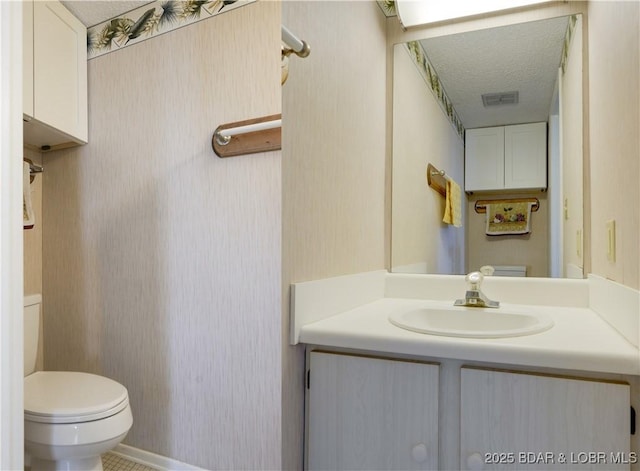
112	462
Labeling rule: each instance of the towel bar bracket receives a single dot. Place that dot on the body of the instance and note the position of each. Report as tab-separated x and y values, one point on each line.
437	179
247	137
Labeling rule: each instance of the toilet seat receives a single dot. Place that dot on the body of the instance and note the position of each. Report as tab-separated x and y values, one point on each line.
64	397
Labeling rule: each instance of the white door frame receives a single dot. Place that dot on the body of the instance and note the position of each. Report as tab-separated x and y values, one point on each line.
11	244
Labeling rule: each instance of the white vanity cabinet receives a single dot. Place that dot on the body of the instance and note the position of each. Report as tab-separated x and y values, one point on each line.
371	414
54	75
526	421
506	157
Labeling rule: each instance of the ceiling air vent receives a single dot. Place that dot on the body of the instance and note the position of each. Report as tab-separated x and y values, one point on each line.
504	98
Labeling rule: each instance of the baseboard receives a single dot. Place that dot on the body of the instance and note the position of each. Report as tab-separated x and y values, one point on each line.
152	460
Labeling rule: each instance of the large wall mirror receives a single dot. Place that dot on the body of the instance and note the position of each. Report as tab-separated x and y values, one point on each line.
438	85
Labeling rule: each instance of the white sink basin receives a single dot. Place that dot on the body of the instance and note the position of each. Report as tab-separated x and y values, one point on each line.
471	322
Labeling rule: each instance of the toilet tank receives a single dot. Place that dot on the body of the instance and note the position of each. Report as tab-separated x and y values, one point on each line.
510	270
32	304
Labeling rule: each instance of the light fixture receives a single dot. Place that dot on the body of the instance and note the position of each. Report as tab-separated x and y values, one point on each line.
422	12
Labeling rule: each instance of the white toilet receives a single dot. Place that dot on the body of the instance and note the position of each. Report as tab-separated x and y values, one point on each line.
70	418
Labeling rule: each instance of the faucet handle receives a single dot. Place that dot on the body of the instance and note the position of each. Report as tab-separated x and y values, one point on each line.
474	279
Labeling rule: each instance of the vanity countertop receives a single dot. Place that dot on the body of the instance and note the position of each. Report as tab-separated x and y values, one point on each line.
579	340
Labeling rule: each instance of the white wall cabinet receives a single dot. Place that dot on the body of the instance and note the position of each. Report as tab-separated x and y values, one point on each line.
368	413
506	157
371	414
55	75
525	421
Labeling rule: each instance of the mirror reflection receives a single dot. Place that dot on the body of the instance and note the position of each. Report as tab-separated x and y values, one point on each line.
528	73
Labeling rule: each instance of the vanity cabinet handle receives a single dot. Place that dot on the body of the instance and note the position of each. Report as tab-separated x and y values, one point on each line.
419	453
475	462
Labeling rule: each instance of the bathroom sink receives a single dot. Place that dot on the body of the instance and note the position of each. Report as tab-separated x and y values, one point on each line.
471	322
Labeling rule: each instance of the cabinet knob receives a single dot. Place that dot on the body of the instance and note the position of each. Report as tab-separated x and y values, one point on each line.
419	453
475	462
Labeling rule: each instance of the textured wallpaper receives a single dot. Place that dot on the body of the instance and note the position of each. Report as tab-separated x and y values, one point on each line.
333	165
614	147
32	238
571	97
163	262
422	134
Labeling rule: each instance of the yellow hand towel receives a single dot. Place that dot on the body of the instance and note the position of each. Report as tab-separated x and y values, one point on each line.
453	204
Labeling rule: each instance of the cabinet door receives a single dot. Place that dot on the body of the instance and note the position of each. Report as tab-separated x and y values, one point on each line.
522	421
484	159
525	156
60	69
371	414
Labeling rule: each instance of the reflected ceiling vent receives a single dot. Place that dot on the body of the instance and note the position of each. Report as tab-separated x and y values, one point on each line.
504	98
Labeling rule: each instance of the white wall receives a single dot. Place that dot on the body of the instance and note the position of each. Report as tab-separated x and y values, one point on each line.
162	262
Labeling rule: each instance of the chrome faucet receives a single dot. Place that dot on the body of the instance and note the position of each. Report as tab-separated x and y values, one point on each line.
474	297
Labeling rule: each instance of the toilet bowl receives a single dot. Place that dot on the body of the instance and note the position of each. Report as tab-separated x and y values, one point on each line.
70	418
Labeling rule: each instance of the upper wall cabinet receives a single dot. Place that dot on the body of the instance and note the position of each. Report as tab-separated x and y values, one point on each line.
506	157
55	76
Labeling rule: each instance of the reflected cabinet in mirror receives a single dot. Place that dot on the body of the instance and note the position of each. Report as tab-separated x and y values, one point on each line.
508	100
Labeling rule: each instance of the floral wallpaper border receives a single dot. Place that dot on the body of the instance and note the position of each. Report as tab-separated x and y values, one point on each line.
416	52
573	19
388	7
150	20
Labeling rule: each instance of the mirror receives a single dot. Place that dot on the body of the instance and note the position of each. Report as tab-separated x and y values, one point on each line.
438	85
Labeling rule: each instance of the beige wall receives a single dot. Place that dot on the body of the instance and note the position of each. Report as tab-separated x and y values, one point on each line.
530	250
333	169
162	262
423	135
614	102
333	164
32	238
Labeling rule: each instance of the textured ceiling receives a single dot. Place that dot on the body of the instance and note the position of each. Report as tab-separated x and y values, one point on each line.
93	12
523	58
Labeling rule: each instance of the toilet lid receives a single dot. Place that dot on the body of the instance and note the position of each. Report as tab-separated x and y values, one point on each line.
68	397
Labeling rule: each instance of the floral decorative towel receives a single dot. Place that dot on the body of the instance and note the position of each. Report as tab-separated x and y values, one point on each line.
506	218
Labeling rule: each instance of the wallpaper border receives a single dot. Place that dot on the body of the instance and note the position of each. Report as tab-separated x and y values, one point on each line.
573	19
428	73
151	20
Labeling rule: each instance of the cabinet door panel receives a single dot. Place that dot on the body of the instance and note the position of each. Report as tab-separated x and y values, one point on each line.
513	413
484	159
372	414
60	69
525	156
